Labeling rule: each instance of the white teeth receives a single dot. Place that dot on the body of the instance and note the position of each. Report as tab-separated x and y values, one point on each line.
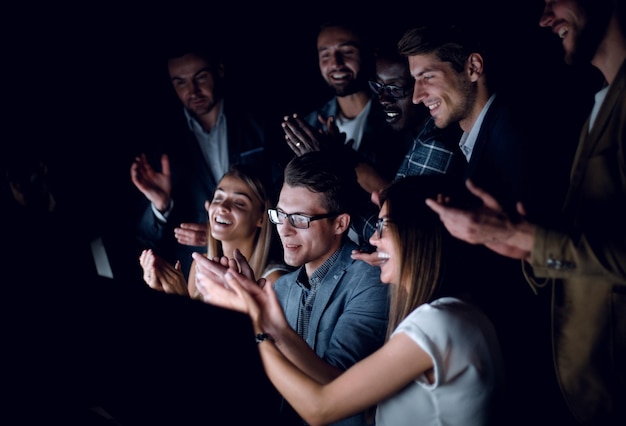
383	255
222	221
392	114
339	76
563	31
432	106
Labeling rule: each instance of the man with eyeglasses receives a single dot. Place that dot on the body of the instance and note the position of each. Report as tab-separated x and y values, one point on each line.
337	306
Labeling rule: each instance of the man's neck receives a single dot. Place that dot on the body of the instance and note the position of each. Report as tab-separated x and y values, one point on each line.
350	106
482	97
611	52
312	266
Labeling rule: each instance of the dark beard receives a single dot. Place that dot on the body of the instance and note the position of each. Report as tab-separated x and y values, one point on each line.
589	39
353	87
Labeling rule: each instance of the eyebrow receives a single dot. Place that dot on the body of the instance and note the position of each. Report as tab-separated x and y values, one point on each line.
201	70
300	212
241	194
344	44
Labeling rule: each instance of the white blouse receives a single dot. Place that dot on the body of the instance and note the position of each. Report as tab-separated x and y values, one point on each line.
468	368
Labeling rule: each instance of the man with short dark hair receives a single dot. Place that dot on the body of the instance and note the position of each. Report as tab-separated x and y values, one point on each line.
584	259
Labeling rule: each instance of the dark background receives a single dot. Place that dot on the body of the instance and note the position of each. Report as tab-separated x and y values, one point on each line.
90	77
86	84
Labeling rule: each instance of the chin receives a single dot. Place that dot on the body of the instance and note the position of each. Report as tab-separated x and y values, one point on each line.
385	277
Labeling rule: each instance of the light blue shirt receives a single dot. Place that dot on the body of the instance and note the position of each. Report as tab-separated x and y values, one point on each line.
468	140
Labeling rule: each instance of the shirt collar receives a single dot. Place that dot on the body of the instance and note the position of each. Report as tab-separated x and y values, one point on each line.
468	139
318	275
194	125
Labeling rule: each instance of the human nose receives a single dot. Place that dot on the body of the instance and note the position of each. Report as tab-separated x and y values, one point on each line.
419	92
225	204
285	228
547	17
374	239
194	87
385	98
337	59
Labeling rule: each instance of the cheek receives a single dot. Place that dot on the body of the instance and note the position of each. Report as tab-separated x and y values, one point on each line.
207	89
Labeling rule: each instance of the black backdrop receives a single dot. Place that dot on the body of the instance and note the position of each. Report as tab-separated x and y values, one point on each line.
85	82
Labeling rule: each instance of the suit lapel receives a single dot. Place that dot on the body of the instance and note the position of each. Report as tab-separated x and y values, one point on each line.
588	141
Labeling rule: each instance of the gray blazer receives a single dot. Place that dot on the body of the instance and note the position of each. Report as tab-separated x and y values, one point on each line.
350	313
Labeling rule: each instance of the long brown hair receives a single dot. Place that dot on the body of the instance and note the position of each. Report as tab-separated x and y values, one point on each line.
427	249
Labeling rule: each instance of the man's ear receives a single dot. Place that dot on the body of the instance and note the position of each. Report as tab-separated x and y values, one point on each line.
342	223
475	66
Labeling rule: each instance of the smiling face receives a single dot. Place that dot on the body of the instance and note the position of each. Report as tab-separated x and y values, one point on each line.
448	95
235	213
566	20
340	61
311	246
195	82
400	113
387	249
580	29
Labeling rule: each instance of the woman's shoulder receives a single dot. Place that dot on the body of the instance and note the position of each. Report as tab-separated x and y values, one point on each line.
448	313
275	270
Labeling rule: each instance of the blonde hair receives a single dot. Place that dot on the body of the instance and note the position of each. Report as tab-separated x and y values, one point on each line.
263	239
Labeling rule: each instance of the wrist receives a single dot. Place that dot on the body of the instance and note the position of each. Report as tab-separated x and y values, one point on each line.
164	206
261	337
523	236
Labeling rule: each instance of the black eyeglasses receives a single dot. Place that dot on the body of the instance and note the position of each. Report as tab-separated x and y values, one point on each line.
296	220
393	91
380	224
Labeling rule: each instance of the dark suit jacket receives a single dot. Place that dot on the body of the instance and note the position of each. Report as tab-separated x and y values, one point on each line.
193	183
497	161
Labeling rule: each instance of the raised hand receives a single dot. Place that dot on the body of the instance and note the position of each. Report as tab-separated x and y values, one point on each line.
302	137
224	282
212	285
192	234
155	186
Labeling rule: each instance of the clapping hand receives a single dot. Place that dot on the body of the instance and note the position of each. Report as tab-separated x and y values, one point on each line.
302	137
487	224
228	283
162	276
